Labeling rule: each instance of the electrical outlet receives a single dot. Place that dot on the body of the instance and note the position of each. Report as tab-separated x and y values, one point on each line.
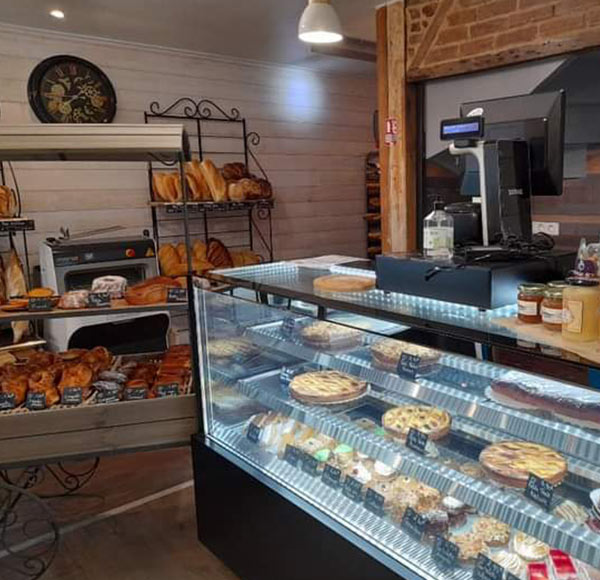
550	228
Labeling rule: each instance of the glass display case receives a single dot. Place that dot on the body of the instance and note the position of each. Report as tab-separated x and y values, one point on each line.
434	464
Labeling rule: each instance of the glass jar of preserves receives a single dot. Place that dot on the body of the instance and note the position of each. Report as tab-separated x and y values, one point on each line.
529	302
557	284
552	308
581	304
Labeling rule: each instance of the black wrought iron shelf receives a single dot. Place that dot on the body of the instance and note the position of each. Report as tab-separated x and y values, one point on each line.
212	206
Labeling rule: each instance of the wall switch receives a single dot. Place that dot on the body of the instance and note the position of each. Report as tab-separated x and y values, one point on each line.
550	228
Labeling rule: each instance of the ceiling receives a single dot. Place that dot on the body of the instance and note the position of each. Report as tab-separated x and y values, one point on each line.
263	30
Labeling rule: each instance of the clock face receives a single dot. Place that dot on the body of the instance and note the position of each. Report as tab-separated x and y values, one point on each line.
67	89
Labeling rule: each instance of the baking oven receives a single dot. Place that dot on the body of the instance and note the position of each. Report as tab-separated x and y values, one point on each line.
73	264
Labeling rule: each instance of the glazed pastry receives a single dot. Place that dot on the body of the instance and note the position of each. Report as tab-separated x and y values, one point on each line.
510	562
325	335
218	255
114	285
74	300
469	546
326	387
511	462
493	532
571	511
529	548
386	354
435	423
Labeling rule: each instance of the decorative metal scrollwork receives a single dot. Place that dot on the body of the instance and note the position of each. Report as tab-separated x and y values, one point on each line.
202	109
28	534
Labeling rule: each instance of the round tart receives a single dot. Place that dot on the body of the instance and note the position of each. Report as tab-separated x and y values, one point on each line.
386	354
326	387
469	546
434	422
325	335
529	548
230	347
493	532
509	561
511	462
341	283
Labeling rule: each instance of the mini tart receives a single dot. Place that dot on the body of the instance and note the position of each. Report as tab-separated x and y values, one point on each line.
469	546
230	347
529	548
343	283
326	387
511	462
509	561
386	353
493	532
325	335
435	423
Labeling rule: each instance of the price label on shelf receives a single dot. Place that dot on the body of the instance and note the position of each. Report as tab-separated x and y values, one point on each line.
310	464
39	304
99	299
510	576
8	401
287	326
539	491
107	397
170	390
72	396
331	476
135	394
416	440
444	553
176	295
408	366
292	455
353	489
253	433
486	569
413	523
17	225
374	502
35	401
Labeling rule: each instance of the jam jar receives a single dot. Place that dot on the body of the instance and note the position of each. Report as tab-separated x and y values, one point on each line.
529	302
552	308
581	302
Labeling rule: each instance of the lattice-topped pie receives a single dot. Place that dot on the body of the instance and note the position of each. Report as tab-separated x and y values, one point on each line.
434	422
511	462
325	335
386	354
230	347
326	387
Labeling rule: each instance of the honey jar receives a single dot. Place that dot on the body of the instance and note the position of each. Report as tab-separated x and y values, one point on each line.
529	302
581	304
552	308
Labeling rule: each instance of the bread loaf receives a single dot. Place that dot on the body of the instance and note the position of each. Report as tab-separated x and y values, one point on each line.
151	291
235	191
200	189
170	264
216	182
265	188
199	250
251	187
8	202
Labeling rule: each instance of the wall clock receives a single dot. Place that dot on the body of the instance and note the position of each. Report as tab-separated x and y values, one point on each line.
68	89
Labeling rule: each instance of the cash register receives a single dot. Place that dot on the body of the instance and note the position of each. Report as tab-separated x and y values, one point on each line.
513	150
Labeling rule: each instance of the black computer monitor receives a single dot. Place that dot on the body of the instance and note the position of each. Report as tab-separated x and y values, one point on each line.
538	119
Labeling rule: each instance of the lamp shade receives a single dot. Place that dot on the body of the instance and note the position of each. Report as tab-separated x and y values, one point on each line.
320	24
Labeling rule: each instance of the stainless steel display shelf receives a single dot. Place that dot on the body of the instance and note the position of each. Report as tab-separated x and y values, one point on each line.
582	445
382	533
503	504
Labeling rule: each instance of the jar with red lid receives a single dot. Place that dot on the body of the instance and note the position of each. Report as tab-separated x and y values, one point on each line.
529	302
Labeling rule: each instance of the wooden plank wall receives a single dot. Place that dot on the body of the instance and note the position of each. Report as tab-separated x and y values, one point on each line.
315	129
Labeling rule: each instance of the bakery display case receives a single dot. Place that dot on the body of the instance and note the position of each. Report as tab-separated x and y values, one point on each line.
395	459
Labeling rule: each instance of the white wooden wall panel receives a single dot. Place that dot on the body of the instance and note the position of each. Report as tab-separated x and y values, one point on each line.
315	129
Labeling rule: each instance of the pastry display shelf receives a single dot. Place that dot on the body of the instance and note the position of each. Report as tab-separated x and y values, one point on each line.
468	323
212	206
474	411
500	503
113	310
386	537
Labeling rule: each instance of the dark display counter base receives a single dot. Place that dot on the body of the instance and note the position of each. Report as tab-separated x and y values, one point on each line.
260	535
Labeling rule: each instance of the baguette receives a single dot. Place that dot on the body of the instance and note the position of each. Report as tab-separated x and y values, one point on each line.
216	182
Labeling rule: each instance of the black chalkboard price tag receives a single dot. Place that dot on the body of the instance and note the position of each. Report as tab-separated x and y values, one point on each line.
413	523
539	490
287	326
253	433
510	576
39	304
375	502
107	397
292	455
16	225
486	569
176	295
416	440
353	489
135	394
310	464
331	476
99	299
408	365
35	401
444	553
72	396
170	390
8	401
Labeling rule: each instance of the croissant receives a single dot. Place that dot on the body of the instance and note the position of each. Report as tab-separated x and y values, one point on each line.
218	254
98	359
43	382
15	384
77	375
169	260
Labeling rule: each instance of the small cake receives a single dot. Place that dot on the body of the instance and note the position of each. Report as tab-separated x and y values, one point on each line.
323	335
360	470
529	548
493	532
437	522
116	286
74	300
341	457
456	510
383	472
571	511
469	546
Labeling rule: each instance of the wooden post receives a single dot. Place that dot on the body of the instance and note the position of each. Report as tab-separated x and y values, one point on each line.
397	100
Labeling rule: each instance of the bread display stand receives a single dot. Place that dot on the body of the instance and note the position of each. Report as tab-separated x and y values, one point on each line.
222	136
34	443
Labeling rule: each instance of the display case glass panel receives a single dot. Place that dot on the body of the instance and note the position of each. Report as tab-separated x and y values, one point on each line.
447	466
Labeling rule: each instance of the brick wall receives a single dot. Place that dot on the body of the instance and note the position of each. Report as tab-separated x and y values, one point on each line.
446	37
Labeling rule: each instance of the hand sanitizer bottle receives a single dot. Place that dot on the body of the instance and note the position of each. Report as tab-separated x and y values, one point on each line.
438	233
